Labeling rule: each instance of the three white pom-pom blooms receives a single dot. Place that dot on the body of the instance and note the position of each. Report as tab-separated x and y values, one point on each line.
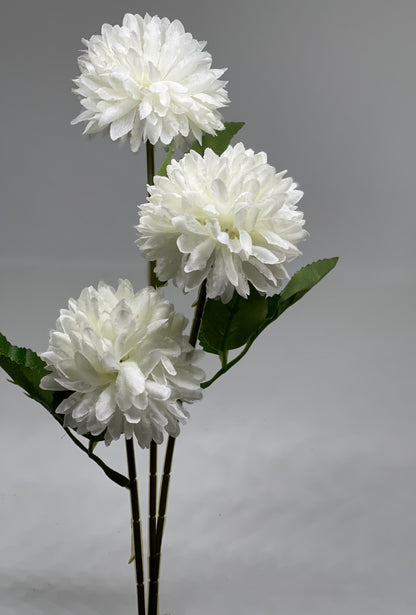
228	220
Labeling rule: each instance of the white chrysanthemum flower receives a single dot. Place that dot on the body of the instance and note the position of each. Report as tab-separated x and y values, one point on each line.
149	80
127	361
229	219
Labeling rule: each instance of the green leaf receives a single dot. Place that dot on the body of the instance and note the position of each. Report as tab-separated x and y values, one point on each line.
212	336
219	142
299	284
303	280
26	369
167	161
21	356
230	325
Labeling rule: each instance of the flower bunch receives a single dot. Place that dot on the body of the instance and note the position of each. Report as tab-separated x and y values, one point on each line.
220	219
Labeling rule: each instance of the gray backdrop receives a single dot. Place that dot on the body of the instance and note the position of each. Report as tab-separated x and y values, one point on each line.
293	485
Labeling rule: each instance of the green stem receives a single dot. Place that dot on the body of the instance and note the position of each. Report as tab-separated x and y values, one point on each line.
161	518
227	366
136	527
150	162
153	281
199	311
170	447
117	478
152	597
150	165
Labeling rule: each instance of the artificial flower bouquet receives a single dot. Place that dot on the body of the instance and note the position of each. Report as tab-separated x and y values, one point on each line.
218	220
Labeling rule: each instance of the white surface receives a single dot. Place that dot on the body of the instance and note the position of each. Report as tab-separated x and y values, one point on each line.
293	484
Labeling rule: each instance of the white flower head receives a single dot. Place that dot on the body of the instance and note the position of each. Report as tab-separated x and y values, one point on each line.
127	362
148	79
229	219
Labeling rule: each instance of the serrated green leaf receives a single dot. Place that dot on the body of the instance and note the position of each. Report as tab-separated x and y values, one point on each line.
219	142
26	369
303	280
299	284
167	161
206	345
21	356
230	325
